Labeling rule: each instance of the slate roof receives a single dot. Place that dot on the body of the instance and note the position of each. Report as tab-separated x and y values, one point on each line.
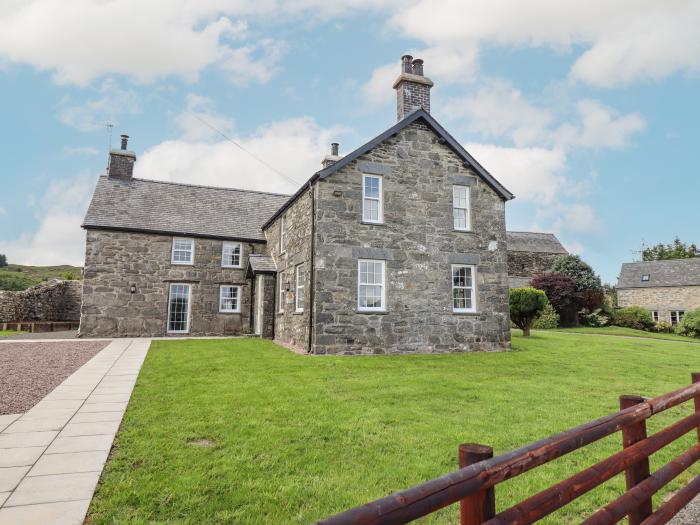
261	264
534	242
675	272
406	121
180	209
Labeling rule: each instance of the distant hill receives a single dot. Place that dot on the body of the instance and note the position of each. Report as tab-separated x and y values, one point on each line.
20	277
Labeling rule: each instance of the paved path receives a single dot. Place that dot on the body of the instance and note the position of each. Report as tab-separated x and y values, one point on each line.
51	457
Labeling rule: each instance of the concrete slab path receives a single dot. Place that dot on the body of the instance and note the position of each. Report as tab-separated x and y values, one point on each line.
51	457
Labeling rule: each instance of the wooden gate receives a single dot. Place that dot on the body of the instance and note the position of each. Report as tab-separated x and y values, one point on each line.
473	485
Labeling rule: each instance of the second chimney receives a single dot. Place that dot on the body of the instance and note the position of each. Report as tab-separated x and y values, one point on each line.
331	159
121	161
412	88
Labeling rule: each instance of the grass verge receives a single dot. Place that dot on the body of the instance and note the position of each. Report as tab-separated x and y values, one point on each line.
245	432
627	332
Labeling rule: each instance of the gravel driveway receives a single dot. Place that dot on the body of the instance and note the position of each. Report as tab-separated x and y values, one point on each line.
29	371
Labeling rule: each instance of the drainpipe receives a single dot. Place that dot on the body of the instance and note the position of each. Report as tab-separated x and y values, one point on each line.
311	268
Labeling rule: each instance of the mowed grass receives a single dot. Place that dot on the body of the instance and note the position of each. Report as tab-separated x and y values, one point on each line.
8	332
627	332
296	438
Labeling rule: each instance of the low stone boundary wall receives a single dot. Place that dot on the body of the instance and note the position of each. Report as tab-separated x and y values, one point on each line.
50	301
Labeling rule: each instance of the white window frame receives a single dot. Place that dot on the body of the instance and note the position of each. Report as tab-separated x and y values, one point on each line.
473	288
467	208
654	315
379	200
360	284
189	308
679	316
283	234
299	285
237	308
281	293
228	244
172	251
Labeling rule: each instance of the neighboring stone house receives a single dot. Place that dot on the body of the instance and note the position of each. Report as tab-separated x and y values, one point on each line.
400	246
667	289
531	253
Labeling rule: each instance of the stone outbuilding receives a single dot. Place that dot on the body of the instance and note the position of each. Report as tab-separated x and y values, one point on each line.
667	289
529	254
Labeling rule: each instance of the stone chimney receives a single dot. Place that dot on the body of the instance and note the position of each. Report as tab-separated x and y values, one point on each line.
328	160
121	161
412	88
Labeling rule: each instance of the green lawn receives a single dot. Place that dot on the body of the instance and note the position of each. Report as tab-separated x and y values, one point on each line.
295	438
628	332
8	332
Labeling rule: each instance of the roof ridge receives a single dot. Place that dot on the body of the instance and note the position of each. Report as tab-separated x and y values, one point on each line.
171	183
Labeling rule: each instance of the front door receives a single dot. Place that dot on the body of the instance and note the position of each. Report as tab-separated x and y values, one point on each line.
259	304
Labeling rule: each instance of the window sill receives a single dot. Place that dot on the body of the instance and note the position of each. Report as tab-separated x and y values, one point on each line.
455	230
232	267
372	312
465	313
298	312
230	312
369	223
182	263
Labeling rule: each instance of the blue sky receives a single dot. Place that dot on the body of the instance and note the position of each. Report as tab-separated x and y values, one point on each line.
587	111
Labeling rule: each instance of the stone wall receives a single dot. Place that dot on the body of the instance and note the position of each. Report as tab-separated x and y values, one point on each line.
419	245
53	300
661	299
529	264
116	260
291	327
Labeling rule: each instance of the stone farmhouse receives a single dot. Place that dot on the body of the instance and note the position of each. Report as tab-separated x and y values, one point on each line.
667	289
529	254
398	246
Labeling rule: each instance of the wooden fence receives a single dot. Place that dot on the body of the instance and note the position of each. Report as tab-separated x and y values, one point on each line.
473	485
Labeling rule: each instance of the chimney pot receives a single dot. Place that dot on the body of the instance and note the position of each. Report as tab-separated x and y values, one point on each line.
334	149
412	88
125	141
331	159
418	67
406	66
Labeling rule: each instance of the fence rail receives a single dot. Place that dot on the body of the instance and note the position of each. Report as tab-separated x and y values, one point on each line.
473	485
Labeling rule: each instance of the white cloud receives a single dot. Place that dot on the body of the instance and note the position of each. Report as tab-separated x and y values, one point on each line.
623	42
572	217
58	239
497	109
294	147
197	121
81	40
532	174
94	114
3	211
600	127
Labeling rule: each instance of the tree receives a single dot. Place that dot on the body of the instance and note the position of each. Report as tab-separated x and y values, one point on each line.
3	260
525	305
561	293
674	250
578	271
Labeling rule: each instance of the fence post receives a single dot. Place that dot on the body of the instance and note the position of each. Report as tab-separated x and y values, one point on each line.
696	379
481	506
639	471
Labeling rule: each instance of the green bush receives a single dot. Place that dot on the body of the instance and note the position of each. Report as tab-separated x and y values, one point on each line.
70	276
663	327
525	305
633	317
14	282
690	325
595	319
548	319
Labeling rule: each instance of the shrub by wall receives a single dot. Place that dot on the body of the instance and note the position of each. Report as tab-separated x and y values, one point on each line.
690	325
548	319
633	317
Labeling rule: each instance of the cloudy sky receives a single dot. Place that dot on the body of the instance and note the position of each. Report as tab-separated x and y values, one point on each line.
586	110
